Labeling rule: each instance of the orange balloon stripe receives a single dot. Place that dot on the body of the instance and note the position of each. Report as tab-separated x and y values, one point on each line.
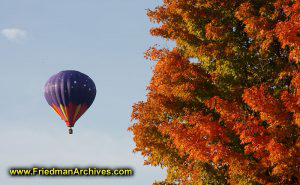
55	111
58	111
62	113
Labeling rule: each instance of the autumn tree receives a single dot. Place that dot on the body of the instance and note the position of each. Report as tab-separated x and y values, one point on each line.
232	117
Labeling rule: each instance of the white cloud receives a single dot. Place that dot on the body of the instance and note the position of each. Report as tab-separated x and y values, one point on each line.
14	34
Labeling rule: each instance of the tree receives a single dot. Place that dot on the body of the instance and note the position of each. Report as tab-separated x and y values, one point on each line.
233	117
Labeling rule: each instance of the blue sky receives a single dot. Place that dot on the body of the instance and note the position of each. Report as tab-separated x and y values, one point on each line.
105	40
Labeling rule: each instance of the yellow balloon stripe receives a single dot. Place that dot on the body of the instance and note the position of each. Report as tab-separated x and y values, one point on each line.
76	112
62	109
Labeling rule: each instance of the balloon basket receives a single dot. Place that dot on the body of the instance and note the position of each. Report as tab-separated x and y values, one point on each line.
70	131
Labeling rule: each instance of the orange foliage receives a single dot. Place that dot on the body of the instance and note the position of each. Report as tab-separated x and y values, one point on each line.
233	117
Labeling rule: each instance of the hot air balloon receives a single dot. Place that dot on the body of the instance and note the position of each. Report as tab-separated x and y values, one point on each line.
70	93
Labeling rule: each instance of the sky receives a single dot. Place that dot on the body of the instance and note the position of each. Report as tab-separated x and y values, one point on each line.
105	40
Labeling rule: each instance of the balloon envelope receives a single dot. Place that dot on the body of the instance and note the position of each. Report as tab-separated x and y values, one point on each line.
70	93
